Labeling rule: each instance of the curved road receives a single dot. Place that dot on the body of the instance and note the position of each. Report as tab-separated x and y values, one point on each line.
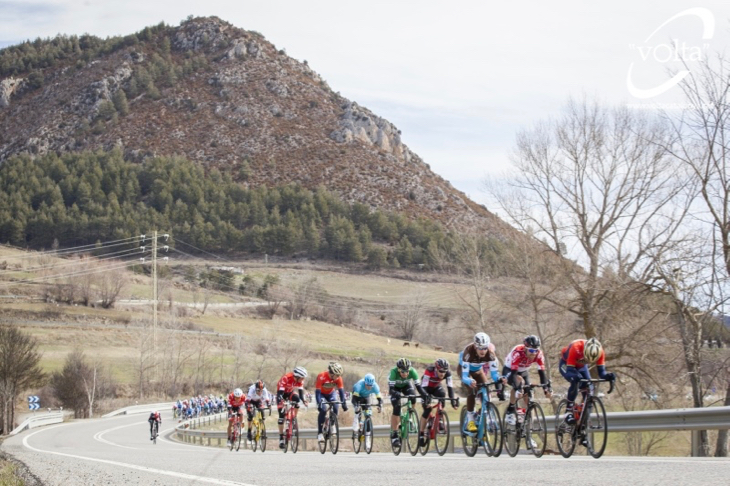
117	451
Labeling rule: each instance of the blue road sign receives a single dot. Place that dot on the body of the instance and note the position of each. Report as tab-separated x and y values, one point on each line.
33	399
34	406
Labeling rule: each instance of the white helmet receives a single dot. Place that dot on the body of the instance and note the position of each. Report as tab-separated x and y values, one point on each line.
481	340
592	350
238	393
300	372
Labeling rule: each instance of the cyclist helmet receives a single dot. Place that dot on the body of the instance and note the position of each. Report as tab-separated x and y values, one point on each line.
481	340
238	393
442	365
592	350
260	385
300	372
335	369
369	379
532	341
403	364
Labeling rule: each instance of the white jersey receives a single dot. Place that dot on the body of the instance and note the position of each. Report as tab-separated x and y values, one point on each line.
258	396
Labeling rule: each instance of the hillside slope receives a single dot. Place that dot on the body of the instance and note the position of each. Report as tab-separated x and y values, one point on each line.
222	97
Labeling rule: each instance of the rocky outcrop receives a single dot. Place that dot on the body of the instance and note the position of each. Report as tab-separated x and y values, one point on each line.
8	87
358	123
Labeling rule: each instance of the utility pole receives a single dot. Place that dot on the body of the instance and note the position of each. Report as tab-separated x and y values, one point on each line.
154	300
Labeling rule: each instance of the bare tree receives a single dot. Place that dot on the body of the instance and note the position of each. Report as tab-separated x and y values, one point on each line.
411	315
702	144
694	289
109	285
303	295
468	258
146	360
596	187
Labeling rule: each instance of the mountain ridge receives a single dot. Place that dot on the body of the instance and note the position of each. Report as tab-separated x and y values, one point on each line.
226	98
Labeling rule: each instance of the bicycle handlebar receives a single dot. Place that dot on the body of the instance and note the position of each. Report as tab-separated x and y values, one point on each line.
600	380
443	399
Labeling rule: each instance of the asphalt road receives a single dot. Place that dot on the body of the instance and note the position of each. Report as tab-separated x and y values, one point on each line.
117	451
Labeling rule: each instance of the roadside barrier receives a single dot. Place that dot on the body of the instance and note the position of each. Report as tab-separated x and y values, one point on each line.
693	419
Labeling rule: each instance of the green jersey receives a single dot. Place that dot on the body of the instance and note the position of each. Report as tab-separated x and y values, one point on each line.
395	379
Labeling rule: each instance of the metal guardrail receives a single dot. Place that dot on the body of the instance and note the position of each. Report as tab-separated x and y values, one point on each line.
679	419
133	409
38	421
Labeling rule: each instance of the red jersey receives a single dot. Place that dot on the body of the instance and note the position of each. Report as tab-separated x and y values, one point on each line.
572	354
326	384
520	360
430	378
236	402
289	382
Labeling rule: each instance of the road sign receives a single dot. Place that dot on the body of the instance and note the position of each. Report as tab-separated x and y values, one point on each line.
34	406
33	399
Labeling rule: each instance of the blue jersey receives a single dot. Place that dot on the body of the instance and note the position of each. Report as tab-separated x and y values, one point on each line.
359	390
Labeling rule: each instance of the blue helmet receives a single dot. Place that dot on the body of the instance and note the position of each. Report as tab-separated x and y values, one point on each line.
369	379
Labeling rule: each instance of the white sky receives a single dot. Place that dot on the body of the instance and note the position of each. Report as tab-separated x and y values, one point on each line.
459	78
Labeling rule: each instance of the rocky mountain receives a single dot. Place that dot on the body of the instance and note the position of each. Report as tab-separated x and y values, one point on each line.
223	97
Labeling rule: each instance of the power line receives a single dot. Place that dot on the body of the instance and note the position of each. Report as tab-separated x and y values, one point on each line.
74	249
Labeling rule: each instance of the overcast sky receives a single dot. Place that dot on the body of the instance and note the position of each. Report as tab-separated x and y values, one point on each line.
458	78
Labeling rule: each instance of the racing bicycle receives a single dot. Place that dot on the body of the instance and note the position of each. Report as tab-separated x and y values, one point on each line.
437	426
529	423
589	427
489	425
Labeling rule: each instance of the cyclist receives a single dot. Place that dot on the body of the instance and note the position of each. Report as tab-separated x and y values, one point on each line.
431	383
325	386
154	417
257	395
517	372
400	383
361	392
236	400
472	359
574	361
285	391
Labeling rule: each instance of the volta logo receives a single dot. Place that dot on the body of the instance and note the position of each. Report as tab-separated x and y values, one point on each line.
676	50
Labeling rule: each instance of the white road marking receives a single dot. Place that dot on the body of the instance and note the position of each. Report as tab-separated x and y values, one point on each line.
98	435
174	474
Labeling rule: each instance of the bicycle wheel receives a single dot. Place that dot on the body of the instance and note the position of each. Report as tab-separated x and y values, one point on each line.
468	439
233	437
334	438
254	435
511	436
156	430
564	433
287	435
442	434
492	440
423	449
596	427
238	436
535	429
368	435
325	433
295	436
357	437
396	449
412	429
262	436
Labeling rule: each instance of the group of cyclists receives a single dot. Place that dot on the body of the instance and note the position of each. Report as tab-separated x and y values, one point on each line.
476	360
198	406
